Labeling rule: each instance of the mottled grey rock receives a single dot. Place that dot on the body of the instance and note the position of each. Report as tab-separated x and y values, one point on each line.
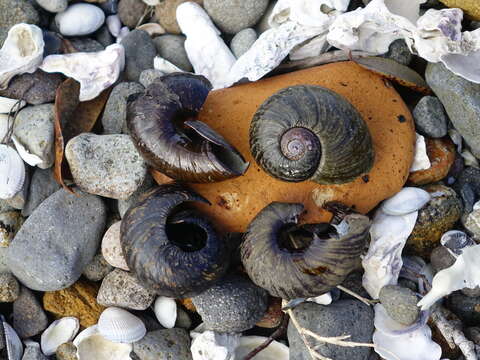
440	258
13	12
168	344
400	304
124	205
85	44
9	287
149	75
171	47
32	351
345	317
42	186
106	165
97	269
465	307
66	351
399	52
461	99
120	288
34	128
231	16
29	319
430	118
57	241
243	41
139	53
130	12
235	304
53	6
115	114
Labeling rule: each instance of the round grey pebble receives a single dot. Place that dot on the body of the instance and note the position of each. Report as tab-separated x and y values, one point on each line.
235	304
42	186
29	319
399	52
97	269
85	44
32	352
53	6
139	53
165	344
400	304
66	351
440	258
430	118
243	41
104	37
148	76
232	16
9	288
171	47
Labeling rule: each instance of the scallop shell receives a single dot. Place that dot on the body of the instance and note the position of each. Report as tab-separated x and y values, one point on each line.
406	201
59	332
92	345
275	351
165	309
13	342
12	172
120	326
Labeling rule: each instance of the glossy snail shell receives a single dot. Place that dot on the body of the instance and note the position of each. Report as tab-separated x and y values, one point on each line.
291	261
310	132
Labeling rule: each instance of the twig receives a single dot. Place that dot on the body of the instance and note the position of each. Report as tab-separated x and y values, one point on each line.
12	116
148	12
355	295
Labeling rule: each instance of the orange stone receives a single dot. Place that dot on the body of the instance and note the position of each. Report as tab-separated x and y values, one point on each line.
235	202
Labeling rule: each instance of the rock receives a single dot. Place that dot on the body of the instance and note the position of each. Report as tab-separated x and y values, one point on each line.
430	118
399	52
130	12
112	248
29	319
79	19
472	223
53	6
344	317
110	7
353	282
105	165
10	223
79	300
124	205
183	319
86	45
164	344
467	187
104	37
475	292
465	307
461	99
440	258
57	241
234	304
166	14
32	352
274	314
400	304
139	53
13	12
66	351
171	48
34	128
231	16
243	41
97	269
4	207
42	186
115	113
122	289
37	88
9	288
18	201
148	76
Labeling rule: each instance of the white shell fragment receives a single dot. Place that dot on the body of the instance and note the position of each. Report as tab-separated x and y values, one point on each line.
455	241
13	342
92	345
95	71
166	311
27	156
151	2
408	9
114	25
420	159
59	332
165	66
325	299
7	105
120	326
275	351
112	248
211	345
406	201
12	172
80	19
22	52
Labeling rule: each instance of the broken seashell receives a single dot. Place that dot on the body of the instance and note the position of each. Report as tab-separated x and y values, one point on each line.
80	19
92	345
59	332
420	160
95	71
120	326
114	25
455	241
22	52
7	105
27	156
165	310
165	66
12	172
274	351
212	345
153	29
325	299
112	248
408	200
13	342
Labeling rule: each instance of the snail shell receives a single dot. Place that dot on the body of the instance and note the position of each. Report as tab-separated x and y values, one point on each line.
12	172
163	128
293	261
308	132
176	254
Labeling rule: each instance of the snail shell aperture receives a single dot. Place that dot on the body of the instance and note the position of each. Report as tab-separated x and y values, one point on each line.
308	132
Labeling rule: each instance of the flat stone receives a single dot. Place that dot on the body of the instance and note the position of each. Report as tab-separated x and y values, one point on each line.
29	319
139	53
9	288
13	12
42	185
242	41
165	14
400	304
430	118
130	12
165	344
97	269
171	47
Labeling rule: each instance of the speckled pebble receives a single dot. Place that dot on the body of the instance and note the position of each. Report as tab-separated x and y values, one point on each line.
130	12
430	118
440	258
400	304
139	53
29	319
112	249
42	185
399	52
53	6
10	223
124	205
66	351
149	75
97	269
168	344
9	288
171	47
165	14
243	41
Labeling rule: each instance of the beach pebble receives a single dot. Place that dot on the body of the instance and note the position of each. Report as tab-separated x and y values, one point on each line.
171	48
473	334
399	52
243	41
32	351
149	75
472	223
139	53
231	16
183	319
430	118
29	319
166	14
80	19
441	258
164	344
10	223
400	304
122	289
104	37
115	113
42	185
124	205
467	308
105	165
110	7
13	12
57	241
53	6
130	12
235	304
34	129
9	287
86	45
112	249
97	269
66	351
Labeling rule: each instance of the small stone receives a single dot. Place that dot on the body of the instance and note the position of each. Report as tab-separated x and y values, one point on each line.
42	186
97	269
430	118
29	319
166	14
80	19
131	11
139	53
53	6
79	300
105	165
231	16
183	319
399	52
86	45
235	304
34	129
66	351
400	304
10	223
164	344
465	307
124	205
104	37
110	7
33	352
149	75
243	41
171	48
122	289
112	248
440	258
274	314
9	288
472	223
115	113
13	12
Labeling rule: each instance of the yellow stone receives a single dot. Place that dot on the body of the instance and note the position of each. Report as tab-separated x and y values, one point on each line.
470	7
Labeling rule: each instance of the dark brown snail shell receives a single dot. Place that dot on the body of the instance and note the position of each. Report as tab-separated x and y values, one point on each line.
292	261
308	132
162	123
174	253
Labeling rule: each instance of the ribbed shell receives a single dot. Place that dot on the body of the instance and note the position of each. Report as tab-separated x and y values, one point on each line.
12	172
346	149
309	273
59	332
13	342
120	326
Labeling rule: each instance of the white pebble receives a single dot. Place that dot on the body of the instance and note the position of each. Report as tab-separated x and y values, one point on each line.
80	19
165	310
